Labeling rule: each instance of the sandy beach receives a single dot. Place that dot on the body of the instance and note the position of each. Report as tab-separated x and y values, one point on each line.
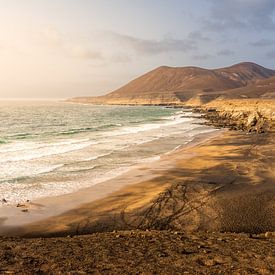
13	216
137	137
206	208
166	223
222	184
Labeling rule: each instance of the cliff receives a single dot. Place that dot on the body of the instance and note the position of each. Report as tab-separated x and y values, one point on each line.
251	115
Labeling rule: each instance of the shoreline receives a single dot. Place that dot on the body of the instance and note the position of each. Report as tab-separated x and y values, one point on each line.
12	216
222	185
211	211
52	174
21	221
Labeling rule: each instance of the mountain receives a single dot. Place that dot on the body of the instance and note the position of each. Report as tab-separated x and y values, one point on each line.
174	85
260	89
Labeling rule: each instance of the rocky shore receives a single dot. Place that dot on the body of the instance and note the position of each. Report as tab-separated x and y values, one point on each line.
247	115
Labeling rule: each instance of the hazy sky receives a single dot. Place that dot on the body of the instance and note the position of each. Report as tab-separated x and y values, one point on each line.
64	48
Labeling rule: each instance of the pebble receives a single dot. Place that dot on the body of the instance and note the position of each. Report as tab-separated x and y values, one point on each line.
221	260
269	234
162	254
207	262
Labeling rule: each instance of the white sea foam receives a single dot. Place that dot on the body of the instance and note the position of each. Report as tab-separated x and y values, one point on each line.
176	148
29	145
172	120
147	140
28	167
18	192
150	159
10	171
43	151
96	157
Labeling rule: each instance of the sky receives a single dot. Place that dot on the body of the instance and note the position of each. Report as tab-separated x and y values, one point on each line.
67	48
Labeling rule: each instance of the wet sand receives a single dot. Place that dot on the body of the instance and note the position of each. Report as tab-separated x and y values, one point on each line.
224	184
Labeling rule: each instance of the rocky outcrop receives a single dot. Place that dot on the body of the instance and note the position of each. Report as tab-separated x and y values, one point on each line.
248	115
251	122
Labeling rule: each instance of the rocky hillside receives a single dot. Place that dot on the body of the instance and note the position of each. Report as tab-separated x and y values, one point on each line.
264	89
174	85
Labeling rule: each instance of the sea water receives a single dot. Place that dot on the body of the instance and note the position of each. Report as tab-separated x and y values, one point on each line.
54	148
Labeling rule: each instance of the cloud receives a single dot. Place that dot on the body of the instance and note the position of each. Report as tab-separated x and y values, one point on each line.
121	58
201	56
70	46
198	36
80	51
271	54
225	52
238	14
263	43
152	46
52	36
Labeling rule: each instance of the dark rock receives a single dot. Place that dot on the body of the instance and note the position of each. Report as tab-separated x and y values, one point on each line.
244	121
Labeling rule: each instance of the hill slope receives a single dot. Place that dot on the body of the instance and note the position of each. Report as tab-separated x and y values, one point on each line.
170	85
260	89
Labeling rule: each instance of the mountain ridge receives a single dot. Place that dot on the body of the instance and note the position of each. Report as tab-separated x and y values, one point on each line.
177	85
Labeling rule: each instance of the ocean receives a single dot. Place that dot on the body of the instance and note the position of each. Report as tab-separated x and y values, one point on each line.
54	148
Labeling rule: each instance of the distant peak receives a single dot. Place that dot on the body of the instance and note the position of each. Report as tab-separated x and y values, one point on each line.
246	64
163	67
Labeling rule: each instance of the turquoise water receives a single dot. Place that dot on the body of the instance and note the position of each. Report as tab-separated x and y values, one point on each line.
51	148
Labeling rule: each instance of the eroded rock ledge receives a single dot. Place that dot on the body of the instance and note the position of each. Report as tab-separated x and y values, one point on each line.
247	115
